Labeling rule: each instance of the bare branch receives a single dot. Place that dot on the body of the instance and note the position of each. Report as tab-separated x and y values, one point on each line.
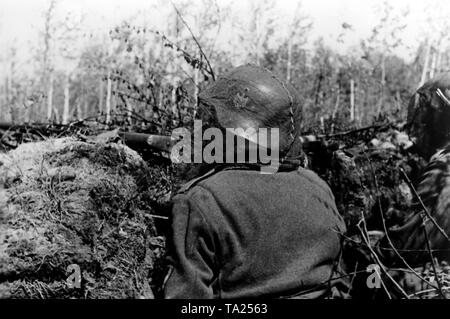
196	41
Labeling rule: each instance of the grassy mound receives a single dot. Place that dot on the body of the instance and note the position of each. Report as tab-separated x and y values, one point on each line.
67	205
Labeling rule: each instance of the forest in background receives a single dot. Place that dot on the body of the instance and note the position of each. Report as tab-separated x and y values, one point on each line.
136	72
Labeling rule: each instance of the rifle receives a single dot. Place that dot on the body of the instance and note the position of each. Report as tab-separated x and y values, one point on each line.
134	140
163	143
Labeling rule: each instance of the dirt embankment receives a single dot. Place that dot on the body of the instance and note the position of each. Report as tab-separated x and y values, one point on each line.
76	220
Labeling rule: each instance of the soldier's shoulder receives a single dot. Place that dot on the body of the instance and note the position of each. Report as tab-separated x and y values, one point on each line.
313	178
195	181
217	178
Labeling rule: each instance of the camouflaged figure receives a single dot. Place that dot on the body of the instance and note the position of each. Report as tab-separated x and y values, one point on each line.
429	116
236	232
429	127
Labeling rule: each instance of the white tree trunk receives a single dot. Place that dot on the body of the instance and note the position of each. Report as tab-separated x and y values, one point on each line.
196	90
174	108
4	105
383	83
289	61
424	71
6	98
108	98
160	103
86	105
352	100
438	62
50	97
255	30
100	97
433	64
66	109
336	105
56	114
437	66
9	95
79	111
2	100
114	88
129	112
423	78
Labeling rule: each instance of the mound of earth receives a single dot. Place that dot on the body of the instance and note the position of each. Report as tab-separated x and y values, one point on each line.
76	221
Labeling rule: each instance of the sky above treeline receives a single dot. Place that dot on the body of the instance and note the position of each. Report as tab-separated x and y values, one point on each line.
22	20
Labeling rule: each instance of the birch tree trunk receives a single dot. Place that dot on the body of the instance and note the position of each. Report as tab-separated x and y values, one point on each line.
50	97
352	100
437	66
196	90
9	96
66	109
160	97
129	111
79	111
48	71
398	103
438	62
383	83
423	78
336	108
173	99
258	41
175	70
336	105
86	106
56	114
424	72
433	64
114	89
289	61
2	100
100	96
156	114
255	30
108	98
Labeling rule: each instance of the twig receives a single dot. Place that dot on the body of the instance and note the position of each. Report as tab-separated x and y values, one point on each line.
158	216
174	46
383	221
427	241
378	127
426	291
375	256
442	96
425	209
211	72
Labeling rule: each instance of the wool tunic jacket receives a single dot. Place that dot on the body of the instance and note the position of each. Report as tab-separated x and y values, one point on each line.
241	234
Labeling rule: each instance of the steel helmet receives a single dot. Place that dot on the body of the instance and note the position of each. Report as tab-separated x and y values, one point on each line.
429	115
252	97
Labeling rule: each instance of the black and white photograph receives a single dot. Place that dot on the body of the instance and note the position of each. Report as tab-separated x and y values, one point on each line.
256	150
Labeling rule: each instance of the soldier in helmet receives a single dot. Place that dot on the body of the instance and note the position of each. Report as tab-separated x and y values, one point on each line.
429	127
429	116
236	232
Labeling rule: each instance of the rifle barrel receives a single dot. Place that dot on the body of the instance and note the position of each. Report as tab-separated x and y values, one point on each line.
141	140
